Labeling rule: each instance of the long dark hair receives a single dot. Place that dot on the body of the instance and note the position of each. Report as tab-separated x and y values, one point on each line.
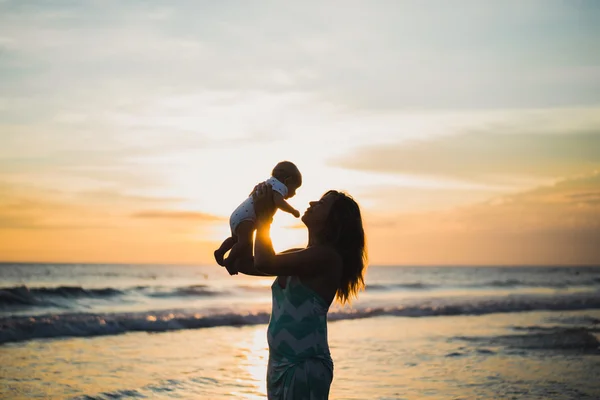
344	231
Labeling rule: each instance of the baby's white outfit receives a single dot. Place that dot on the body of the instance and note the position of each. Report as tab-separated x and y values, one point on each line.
245	211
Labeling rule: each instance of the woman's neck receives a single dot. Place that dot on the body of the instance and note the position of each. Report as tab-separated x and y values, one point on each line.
314	239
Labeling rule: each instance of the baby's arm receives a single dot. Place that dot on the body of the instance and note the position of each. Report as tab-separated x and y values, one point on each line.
283	205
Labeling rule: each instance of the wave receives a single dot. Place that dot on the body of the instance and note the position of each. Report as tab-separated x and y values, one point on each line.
513	283
556	338
20	328
23	296
542	329
13	329
192	290
415	285
506	283
160	388
585	320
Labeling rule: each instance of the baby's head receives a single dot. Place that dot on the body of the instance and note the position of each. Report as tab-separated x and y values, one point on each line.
288	174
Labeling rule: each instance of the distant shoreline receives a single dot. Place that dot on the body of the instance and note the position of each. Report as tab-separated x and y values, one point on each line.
370	266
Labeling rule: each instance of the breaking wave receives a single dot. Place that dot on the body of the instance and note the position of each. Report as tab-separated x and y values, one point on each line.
506	283
20	328
23	296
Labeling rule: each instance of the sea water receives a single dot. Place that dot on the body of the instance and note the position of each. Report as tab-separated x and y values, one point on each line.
160	331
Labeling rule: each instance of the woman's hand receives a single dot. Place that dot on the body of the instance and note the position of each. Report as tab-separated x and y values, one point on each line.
264	206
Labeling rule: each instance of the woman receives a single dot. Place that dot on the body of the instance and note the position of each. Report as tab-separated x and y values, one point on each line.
308	280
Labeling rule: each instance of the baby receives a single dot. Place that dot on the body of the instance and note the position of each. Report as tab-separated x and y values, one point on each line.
285	180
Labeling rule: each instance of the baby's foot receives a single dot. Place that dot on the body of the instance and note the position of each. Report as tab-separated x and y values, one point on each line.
219	257
229	264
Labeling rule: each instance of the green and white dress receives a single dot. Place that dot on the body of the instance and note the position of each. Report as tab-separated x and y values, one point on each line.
300	365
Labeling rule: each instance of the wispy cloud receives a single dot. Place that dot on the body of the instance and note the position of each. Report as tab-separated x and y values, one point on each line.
552	224
486	55
156	119
29	207
178	216
489	154
23	208
51	225
552	207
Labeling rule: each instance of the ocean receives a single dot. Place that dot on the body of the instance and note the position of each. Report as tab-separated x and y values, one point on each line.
90	331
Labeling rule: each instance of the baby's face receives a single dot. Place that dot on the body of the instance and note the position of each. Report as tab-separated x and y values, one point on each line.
292	185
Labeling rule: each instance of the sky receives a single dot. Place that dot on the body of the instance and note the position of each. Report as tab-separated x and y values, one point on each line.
468	131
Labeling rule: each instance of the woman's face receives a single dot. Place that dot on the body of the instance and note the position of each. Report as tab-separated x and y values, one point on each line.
316	215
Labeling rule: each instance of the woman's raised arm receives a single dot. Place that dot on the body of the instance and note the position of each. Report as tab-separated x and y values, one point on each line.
246	266
309	261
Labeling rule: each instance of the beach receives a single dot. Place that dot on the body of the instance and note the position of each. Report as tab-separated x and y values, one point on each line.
115	331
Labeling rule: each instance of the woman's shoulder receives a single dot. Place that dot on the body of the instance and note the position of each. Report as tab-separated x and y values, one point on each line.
317	258
327	272
318	250
293	250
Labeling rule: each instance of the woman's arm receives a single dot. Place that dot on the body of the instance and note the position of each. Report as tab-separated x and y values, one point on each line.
246	266
309	261
299	262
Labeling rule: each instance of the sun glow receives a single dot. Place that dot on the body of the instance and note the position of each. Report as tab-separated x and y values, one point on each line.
285	235
253	356
257	359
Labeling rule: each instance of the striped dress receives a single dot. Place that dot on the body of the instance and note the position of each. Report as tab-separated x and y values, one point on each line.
300	365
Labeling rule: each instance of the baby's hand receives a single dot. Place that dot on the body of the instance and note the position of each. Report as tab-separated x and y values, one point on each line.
296	213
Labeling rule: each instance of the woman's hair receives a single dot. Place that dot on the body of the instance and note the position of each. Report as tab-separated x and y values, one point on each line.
344	230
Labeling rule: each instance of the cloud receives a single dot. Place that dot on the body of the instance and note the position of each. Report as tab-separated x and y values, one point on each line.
150	99
29	207
488	154
112	197
178	215
592	198
50	225
385	55
418	199
563	205
552	224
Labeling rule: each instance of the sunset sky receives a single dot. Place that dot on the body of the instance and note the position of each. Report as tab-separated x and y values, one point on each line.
468	131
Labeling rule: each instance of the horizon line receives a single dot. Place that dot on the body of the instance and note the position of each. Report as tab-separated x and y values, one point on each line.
403	265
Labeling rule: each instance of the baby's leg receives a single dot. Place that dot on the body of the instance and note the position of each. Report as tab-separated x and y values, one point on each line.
225	247
243	246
